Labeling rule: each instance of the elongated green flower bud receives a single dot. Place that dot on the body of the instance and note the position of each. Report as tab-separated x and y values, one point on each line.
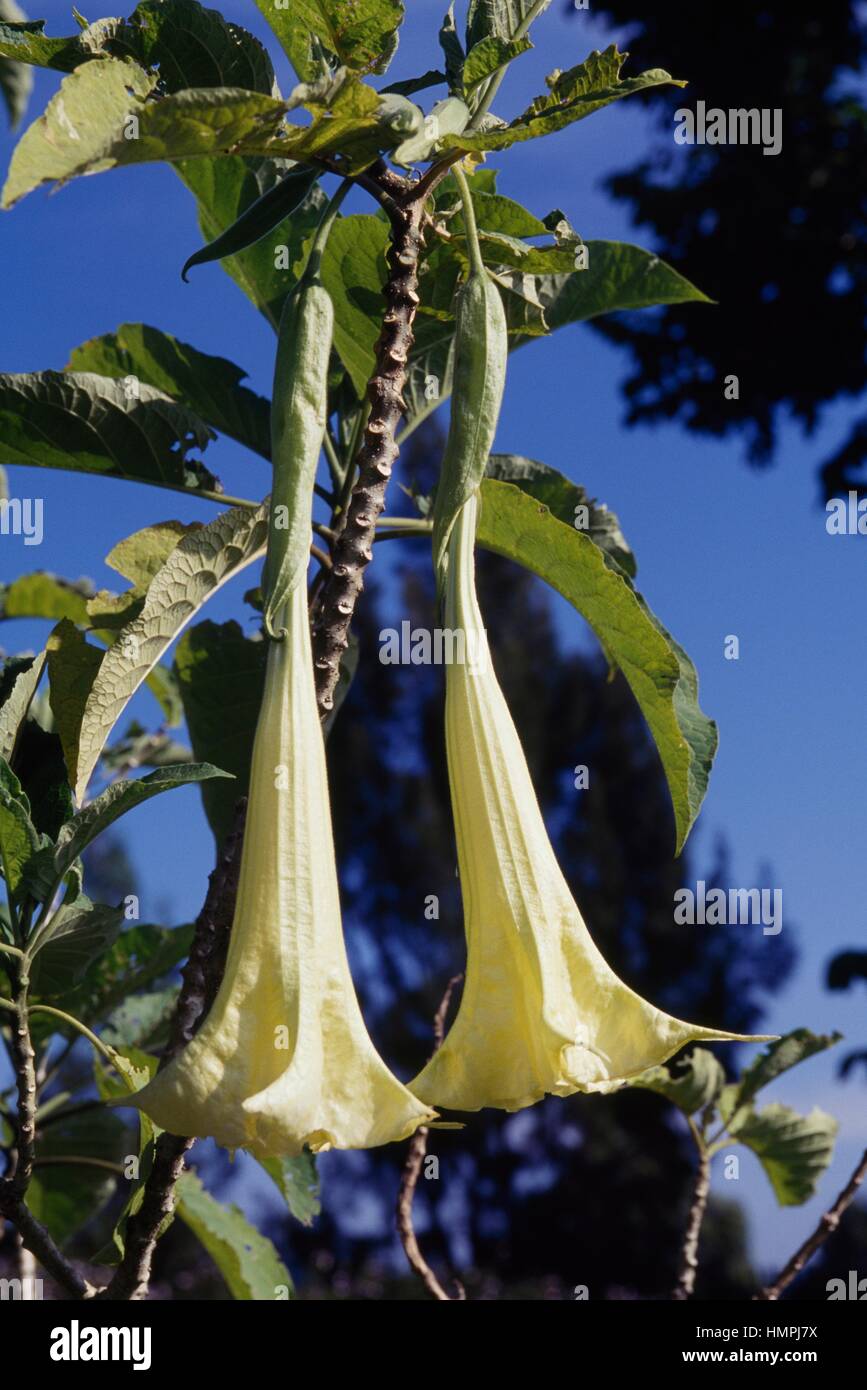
298	419
541	1012
481	353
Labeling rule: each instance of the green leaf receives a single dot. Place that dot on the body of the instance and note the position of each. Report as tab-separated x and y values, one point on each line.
139	956
563	499
571	96
141	1020
361	33
18	681
46	869
453	51
779	1057
246	1259
44	595
500	17
659	674
192	46
73	665
488	56
221	675
18	837
298	1183
90	424
16	80
263	216
64	1196
224	188
210	386
79	932
793	1149
138	1068
102	119
354	272
690	1084
202	562
618	276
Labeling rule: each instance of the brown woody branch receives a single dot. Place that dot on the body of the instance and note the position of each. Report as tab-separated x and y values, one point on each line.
201	980
827	1225
409	1180
689	1252
353	548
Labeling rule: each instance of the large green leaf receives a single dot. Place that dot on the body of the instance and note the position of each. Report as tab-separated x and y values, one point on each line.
246	1259
567	502
489	55
91	424
691	1084
44	595
18	681
571	96
298	1183
80	931
203	561
354	272
618	277
47	868
221	674
499	17
224	188
211	386
18	837
793	1149
139	956
102	119
662	679
63	1195
361	33
16	79
190	45
786	1052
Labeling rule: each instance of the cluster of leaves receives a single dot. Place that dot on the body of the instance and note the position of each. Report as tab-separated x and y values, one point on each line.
794	1150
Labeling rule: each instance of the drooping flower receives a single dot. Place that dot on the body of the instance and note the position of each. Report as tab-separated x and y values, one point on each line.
541	1011
284	1059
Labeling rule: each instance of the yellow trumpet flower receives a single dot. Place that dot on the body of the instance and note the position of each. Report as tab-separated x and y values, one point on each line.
284	1059
541	1011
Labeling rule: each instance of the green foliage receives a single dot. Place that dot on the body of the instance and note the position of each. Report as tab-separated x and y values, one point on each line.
211	386
793	1149
247	1260
660	675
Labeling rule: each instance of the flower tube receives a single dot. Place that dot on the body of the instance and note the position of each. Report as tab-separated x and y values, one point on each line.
284	1059
541	1011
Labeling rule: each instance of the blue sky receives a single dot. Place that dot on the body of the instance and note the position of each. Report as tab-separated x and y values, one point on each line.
722	549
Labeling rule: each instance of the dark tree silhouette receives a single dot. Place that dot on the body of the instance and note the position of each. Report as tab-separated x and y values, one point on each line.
778	241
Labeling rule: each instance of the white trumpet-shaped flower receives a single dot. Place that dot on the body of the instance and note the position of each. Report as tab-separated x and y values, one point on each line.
284	1059
541	1011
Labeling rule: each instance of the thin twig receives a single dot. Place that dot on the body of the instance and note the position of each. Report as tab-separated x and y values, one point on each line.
409	1179
201	979
689	1252
827	1225
13	1187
